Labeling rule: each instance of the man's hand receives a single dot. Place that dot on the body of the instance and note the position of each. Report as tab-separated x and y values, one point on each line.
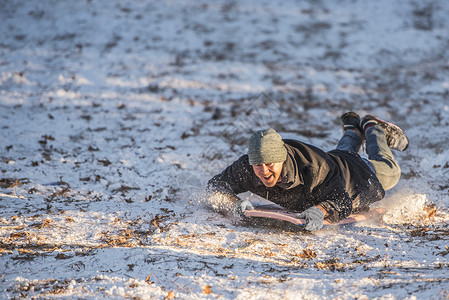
314	218
240	206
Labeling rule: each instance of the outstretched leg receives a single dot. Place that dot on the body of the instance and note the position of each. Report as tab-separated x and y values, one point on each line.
380	156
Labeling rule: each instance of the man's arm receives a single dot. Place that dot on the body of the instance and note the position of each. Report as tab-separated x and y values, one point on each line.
337	206
315	215
224	187
233	180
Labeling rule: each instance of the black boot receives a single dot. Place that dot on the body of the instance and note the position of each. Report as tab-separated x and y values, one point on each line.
351	120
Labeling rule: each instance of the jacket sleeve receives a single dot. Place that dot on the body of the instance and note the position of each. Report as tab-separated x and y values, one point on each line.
338	204
233	180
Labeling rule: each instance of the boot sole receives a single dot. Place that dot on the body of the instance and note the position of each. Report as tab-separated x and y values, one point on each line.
396	137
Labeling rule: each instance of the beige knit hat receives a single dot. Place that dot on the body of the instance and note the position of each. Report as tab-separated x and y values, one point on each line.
266	147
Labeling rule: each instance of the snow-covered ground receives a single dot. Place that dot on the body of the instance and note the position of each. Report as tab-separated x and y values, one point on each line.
114	114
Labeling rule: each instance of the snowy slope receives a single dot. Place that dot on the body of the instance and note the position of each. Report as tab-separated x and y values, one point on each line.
114	114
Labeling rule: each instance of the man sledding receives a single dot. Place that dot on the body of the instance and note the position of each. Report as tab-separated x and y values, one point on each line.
318	185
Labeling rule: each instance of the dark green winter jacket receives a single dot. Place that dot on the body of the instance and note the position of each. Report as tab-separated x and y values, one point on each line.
337	180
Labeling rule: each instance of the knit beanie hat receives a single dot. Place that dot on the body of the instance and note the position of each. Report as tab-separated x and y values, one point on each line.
266	147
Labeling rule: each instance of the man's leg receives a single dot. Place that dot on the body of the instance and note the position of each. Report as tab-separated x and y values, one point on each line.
350	141
380	156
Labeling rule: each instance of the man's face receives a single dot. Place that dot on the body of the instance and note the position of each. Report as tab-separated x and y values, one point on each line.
268	173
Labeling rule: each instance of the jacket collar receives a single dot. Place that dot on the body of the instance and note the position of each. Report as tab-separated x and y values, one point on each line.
290	175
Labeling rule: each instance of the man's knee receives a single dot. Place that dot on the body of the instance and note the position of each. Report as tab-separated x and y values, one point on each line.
387	173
